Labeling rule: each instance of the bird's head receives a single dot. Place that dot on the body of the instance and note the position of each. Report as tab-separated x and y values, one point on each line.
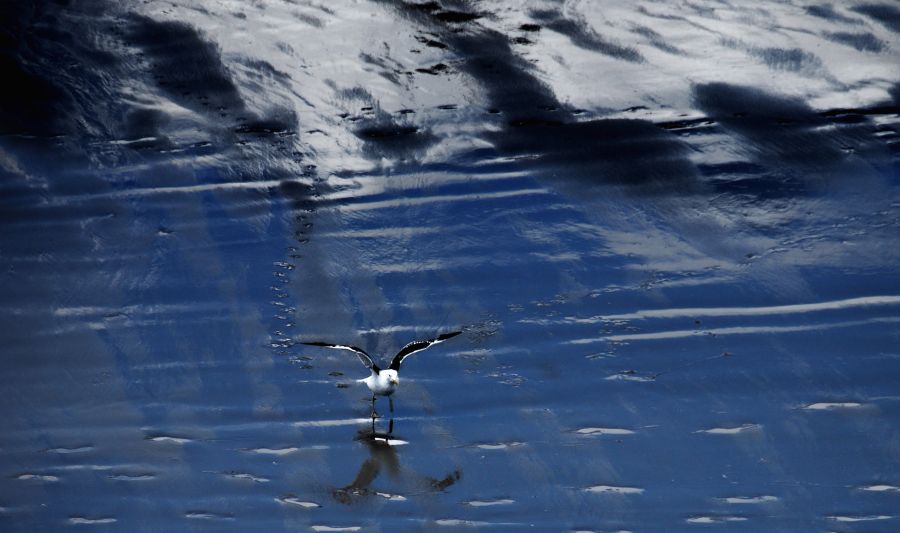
392	377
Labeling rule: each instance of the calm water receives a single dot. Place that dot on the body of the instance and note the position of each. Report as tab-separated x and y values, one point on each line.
669	232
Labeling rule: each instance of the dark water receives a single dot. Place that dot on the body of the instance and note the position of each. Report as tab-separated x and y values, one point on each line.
669	232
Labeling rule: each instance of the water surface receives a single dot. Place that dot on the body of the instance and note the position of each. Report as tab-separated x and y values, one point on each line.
668	231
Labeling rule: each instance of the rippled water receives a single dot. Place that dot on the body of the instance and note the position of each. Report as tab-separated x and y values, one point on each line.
668	231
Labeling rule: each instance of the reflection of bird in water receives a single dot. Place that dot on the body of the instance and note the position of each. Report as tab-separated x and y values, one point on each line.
383	456
384	382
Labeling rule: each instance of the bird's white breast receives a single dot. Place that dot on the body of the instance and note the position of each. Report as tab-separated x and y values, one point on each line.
381	383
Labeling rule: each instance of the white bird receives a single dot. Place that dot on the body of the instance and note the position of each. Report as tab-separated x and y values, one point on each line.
384	382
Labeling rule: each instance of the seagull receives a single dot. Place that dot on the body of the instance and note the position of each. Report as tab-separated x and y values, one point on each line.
384	381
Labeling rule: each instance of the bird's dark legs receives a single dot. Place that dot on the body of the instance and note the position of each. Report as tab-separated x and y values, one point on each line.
391	423
374	414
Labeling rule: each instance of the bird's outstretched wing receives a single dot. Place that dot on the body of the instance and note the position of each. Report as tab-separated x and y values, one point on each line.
418	346
363	356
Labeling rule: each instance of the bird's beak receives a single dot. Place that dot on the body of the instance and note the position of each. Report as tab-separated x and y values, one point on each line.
395	381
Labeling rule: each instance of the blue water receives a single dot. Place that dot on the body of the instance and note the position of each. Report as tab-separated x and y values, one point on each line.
667	231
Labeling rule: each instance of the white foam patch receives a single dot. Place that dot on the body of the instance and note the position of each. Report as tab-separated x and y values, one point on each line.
758	311
38	477
81	520
201	515
64	450
827	406
750	499
880	488
458	522
499	445
95	468
332	528
737	330
245	476
628	377
392	497
490	503
331	423
125	142
746	428
410	202
170	438
714	519
390	441
870	518
610	489
274	451
604	431
293	500
132	477
415	329
188	189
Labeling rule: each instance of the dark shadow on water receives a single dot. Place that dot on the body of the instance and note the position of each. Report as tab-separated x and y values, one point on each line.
170	241
777	126
581	34
544	135
799	147
382	135
186	65
592	154
884	13
384	457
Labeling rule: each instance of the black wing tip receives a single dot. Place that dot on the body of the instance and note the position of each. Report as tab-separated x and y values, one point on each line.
333	345
416	346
